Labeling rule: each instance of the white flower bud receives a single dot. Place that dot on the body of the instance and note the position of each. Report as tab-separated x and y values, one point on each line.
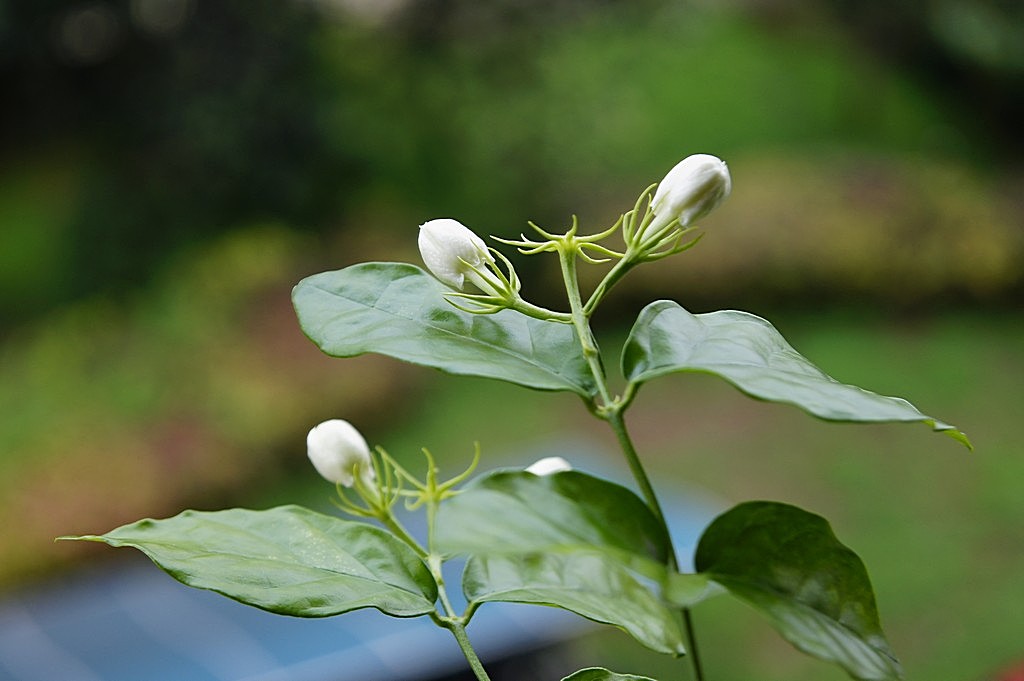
549	465
450	250
336	449
691	190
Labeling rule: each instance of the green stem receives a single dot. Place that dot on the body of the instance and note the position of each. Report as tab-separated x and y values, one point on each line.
611	410
636	467
691	642
581	322
434	563
459	631
618	425
450	621
433	558
399	531
614	274
537	312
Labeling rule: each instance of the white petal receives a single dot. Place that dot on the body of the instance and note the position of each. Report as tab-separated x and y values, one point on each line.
335	447
446	246
549	465
692	189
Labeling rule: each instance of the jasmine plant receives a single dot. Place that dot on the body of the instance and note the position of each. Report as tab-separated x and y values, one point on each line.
548	534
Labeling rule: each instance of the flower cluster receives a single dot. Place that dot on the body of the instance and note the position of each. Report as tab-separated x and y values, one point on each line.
454	254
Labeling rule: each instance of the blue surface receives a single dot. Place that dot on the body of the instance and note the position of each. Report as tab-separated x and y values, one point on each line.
133	622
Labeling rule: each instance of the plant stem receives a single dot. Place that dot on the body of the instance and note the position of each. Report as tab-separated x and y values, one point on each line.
691	643
399	531
450	621
453	622
434	563
459	632
618	425
581	322
434	559
618	271
611	410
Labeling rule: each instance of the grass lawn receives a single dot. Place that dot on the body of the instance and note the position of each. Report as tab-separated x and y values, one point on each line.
941	529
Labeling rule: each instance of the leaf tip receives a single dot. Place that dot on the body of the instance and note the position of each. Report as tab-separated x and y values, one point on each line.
951	431
960	437
82	537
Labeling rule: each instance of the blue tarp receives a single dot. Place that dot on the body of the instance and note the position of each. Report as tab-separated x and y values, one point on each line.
132	622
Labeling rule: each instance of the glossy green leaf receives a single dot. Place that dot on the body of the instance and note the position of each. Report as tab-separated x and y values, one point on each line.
587	583
515	512
788	564
600	674
399	310
569	540
288	560
748	352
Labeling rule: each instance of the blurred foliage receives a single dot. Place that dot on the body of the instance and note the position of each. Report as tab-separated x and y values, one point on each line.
188	395
145	126
174	120
969	52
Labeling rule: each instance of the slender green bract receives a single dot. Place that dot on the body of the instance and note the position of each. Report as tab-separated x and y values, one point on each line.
288	560
750	353
788	564
399	310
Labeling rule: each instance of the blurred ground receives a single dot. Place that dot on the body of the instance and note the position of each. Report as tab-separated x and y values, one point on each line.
169	169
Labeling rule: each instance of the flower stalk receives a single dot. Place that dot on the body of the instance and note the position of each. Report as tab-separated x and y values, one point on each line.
611	409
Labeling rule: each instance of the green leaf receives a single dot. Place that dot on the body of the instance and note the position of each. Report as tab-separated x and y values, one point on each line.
515	512
399	310
587	583
748	352
600	674
788	564
569	540
288	560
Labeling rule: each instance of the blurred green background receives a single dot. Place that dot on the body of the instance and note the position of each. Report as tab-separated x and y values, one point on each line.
170	168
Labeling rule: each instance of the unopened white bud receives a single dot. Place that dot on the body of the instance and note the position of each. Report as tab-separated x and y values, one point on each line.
691	190
549	465
337	451
451	251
